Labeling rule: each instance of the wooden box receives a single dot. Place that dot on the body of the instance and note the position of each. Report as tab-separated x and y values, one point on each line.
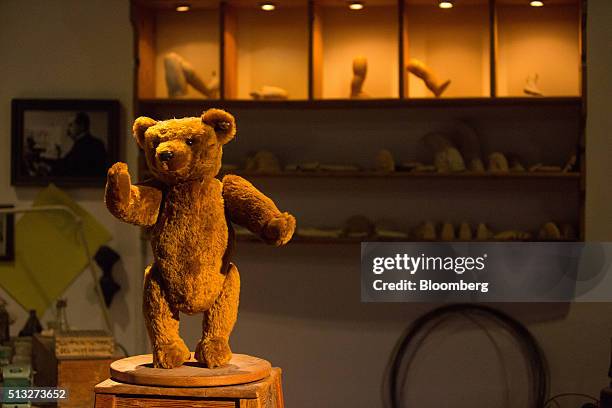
77	375
84	343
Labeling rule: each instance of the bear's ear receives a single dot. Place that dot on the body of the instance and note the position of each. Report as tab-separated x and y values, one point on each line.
222	122
141	125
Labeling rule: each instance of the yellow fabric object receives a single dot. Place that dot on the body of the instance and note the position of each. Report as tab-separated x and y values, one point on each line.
49	254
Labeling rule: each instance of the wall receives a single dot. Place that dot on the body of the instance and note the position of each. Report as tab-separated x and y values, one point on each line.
300	304
74	49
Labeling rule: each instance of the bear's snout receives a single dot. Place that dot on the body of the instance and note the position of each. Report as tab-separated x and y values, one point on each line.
171	156
166	155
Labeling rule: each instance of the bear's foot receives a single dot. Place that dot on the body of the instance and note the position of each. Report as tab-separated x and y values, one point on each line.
213	352
170	355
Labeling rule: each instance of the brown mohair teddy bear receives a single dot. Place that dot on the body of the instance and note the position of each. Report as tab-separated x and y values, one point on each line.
188	212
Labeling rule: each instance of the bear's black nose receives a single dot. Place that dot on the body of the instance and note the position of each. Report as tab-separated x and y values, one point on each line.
166	155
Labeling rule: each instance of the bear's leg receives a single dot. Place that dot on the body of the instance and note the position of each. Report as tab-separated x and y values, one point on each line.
162	321
213	349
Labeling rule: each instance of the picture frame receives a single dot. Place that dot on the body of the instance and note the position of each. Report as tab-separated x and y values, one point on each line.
7	235
68	142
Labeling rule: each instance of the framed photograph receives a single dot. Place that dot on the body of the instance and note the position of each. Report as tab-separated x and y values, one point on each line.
61	141
7	235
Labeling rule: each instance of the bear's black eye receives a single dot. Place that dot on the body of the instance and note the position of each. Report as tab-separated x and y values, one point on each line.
189	142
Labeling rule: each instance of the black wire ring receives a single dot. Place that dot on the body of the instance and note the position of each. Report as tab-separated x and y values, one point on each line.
402	356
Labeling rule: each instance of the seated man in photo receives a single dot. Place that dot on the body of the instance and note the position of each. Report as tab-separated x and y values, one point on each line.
87	157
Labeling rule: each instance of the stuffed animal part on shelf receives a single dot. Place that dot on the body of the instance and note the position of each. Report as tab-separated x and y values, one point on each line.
188	213
180	74
384	161
360	70
531	85
267	92
446	156
422	71
263	162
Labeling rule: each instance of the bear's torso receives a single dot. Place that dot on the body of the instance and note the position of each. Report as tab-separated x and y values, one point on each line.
189	241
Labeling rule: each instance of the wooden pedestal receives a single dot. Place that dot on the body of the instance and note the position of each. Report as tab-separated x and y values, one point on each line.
135	383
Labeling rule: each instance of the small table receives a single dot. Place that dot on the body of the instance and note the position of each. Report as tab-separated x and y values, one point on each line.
246	382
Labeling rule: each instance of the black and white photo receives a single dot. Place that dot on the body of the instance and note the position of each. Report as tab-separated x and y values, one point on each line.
67	142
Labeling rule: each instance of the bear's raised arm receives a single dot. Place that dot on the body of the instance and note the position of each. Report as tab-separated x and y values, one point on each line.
135	204
250	208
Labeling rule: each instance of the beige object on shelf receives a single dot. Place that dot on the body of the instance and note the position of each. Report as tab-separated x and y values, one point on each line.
569	165
425	168
483	233
263	162
309	166
447	233
272	93
358	226
541	168
446	156
469	146
387	233
360	70
409	166
384	161
426	231
531	85
514	162
180	74
422	71
318	233
338	167
465	232
498	163
512	235
549	232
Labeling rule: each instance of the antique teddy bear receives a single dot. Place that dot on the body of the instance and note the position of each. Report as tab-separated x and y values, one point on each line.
187	212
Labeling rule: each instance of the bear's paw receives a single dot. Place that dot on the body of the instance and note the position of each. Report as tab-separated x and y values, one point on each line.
171	355
213	352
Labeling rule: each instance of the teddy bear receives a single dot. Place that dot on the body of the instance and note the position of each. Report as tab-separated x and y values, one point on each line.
188	213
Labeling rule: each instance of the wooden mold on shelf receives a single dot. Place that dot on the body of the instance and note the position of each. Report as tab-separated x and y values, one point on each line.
341	34
538	47
265	50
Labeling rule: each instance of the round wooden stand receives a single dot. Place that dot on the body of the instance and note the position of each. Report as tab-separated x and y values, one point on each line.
139	370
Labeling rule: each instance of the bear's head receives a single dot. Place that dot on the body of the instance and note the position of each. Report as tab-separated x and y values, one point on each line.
179	150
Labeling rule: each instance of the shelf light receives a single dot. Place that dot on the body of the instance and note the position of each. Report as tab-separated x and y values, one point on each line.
536	3
267	6
355	5
445	4
181	8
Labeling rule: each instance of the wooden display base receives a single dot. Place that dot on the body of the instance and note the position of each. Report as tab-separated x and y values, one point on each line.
246	382
139	370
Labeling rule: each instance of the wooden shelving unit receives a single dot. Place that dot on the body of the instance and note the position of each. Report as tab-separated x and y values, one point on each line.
307	46
486	48
165	103
521	176
352	241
